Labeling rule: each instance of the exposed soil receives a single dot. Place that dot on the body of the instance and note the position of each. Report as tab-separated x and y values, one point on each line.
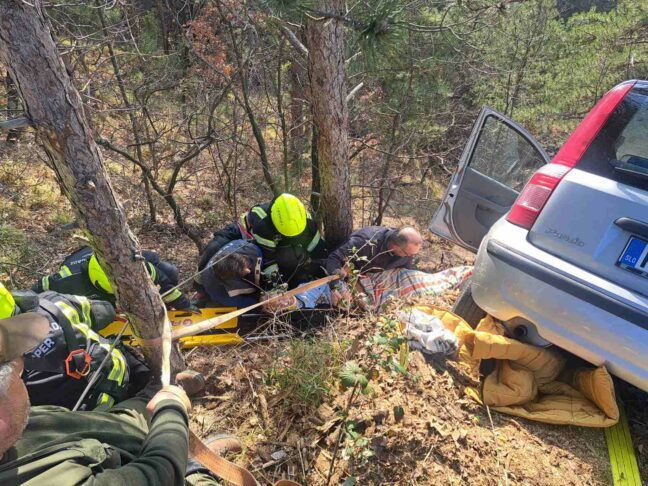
413	428
442	437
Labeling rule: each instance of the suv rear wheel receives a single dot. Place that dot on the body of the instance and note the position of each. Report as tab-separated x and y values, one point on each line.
466	308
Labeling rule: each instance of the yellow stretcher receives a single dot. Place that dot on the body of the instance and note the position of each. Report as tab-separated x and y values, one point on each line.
226	333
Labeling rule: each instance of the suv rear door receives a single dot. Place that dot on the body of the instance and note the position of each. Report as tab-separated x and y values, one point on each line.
497	162
597	218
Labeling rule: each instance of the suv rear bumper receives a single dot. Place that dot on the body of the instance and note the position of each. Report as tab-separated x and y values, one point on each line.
578	311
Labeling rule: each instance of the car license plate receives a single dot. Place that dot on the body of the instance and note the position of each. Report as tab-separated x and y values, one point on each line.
635	256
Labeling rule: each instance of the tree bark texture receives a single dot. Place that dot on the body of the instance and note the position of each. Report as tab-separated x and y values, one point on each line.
54	107
13	106
326	70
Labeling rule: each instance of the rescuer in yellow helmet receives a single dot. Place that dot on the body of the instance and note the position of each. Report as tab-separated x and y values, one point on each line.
286	234
7	303
81	274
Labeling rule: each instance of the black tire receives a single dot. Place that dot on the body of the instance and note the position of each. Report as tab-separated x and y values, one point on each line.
466	307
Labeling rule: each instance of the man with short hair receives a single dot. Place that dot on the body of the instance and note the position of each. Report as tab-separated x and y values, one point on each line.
379	262
374	249
236	276
142	441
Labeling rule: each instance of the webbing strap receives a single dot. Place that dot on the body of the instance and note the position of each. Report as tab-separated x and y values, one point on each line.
623	461
257	271
194	329
223	468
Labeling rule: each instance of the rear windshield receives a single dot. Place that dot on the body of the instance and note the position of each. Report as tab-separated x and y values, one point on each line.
620	151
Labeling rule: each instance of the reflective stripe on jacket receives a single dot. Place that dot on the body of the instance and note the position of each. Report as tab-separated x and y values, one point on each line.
45	373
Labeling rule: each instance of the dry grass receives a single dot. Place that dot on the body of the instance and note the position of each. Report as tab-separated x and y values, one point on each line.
442	437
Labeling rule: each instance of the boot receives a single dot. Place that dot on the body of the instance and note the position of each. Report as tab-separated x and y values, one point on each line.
191	382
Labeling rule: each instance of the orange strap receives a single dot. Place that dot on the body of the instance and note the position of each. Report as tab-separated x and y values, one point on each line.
223	468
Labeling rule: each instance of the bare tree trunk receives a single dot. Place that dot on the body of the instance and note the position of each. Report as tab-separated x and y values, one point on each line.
282	118
54	107
13	105
316	190
164	26
330	114
297	128
131	113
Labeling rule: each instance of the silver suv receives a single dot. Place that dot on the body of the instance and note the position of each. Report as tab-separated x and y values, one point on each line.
562	245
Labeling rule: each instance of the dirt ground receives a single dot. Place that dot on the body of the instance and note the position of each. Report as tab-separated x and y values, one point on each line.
417	428
293	416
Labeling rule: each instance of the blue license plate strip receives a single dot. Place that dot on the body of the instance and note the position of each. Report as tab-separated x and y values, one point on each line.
635	256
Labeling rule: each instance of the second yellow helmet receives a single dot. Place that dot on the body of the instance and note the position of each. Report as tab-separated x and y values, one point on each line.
98	277
7	303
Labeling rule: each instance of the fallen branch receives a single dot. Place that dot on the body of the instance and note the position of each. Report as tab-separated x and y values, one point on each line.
15	123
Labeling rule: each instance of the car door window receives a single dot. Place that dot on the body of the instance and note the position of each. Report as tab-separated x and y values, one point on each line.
503	154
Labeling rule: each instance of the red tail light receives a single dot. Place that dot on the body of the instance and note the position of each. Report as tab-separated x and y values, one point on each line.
536	193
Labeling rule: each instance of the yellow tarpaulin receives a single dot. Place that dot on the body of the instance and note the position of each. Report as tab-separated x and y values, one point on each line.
529	381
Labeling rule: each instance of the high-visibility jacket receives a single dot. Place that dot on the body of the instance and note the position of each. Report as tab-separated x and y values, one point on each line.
72	278
291	255
57	371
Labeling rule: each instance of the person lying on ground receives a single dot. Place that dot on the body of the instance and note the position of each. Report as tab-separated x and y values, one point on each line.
379	263
286	235
236	276
142	441
369	250
81	274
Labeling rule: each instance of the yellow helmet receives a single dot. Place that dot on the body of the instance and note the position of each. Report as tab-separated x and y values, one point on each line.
288	214
98	277
7	303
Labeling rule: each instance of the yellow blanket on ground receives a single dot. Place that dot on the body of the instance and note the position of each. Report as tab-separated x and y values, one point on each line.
529	381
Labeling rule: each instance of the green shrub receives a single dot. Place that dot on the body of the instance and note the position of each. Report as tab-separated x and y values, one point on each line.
307	372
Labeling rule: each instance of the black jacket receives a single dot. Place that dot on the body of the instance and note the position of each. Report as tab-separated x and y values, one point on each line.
294	260
74	323
368	251
73	279
297	258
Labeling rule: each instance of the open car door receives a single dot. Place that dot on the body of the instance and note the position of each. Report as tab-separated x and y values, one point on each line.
498	160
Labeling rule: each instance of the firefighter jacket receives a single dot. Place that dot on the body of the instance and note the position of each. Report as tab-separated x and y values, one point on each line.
58	370
295	258
73	279
240	291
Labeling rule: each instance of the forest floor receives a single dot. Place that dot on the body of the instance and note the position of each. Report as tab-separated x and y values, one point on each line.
284	399
413	428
